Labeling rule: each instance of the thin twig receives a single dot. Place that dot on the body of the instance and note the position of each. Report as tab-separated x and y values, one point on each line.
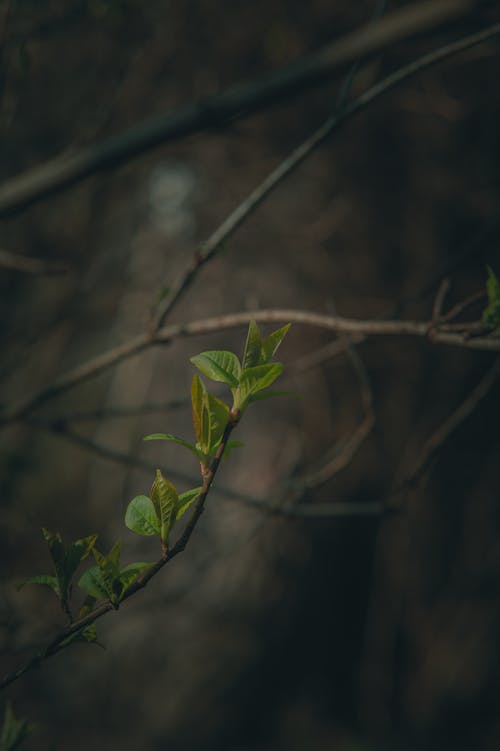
61	640
29	265
207	250
448	427
168	334
237	102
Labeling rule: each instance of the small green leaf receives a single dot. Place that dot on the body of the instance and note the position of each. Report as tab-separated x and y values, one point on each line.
218	415
256	379
253	346
141	516
165	498
14	731
272	342
49	581
109	567
93	583
129	574
230	445
185	501
174	439
219	365
200	413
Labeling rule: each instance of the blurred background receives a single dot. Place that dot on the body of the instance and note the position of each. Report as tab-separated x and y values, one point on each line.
270	633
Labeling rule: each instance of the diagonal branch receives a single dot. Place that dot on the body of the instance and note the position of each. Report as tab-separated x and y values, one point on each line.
213	244
236	102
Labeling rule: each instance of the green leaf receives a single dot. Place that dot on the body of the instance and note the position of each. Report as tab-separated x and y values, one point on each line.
230	445
253	346
218	415
185	501
256	379
129	574
165	498
272	342
200	413
219	365
92	582
141	516
14	731
76	552
49	581
174	439
491	315
109	566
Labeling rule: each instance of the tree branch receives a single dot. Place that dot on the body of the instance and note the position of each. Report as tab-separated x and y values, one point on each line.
166	335
236	102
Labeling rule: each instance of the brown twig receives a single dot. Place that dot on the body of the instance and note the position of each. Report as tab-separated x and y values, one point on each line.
213	244
61	640
168	334
448	427
238	101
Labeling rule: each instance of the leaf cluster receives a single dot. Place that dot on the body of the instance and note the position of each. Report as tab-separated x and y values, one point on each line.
156	514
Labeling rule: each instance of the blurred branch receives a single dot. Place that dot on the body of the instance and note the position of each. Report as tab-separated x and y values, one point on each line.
214	243
29	265
443	433
236	102
167	334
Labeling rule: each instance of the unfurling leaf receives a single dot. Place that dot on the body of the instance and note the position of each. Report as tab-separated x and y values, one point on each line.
219	365
271	343
256	379
141	516
66	560
253	346
165	498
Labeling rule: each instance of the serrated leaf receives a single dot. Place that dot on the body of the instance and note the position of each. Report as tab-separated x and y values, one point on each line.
185	501
271	343
165	497
256	379
174	439
253	346
14	731
46	579
141	516
219	365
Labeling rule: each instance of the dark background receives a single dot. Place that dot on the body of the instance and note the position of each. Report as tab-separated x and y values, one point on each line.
267	634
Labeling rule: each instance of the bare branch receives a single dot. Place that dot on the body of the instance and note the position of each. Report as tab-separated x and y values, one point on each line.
213	244
29	265
236	102
168	334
